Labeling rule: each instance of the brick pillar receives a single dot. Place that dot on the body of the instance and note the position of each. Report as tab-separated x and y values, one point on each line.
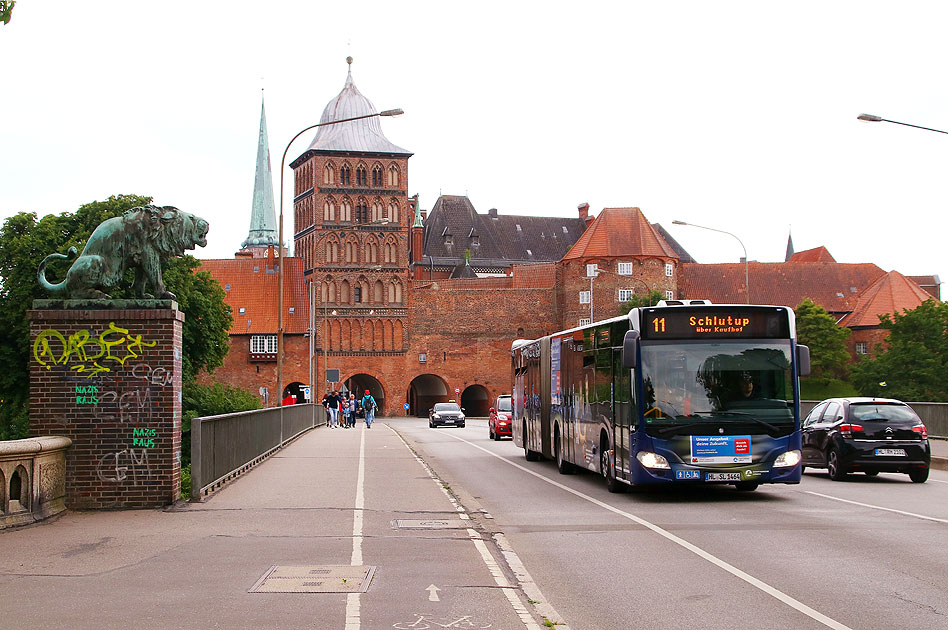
107	374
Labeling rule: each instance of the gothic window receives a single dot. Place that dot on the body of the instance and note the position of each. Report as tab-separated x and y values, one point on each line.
362	213
345	175
394	293
378	295
344	292
346	210
360	175
371	252
377	176
393	211
329	210
350	252
332	251
377	210
393	175
390	252
357	294
329	173
332	292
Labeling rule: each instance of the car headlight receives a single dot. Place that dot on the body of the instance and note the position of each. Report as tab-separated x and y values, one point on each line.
461	417
790	458
651	460
435	417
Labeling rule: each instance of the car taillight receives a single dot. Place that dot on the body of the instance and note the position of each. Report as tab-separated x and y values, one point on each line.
920	428
847	430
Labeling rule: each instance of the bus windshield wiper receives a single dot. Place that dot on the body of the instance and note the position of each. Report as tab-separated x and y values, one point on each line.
771	429
676	428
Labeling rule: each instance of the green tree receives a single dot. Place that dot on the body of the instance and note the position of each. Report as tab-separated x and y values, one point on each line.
639	300
817	329
25	240
914	363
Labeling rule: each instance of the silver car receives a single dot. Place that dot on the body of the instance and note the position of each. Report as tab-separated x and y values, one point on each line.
446	414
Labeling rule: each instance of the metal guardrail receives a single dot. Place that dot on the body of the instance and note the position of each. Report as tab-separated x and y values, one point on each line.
933	415
224	446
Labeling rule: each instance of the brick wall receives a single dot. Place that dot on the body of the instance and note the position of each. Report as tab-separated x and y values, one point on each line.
110	379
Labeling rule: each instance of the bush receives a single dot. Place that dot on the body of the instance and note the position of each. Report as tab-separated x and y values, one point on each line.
209	400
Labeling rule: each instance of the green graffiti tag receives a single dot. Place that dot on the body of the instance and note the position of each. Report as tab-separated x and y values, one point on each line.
144	438
86	353
87	395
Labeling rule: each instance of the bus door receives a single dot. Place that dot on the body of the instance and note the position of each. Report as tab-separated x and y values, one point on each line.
623	411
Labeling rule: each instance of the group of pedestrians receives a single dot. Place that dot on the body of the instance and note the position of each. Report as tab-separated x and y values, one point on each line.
340	409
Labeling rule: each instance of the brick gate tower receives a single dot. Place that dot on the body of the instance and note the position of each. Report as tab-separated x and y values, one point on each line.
352	216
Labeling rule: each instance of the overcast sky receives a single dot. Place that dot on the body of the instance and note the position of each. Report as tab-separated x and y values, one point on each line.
739	116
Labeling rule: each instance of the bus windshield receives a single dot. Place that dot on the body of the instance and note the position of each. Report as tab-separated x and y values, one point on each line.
739	381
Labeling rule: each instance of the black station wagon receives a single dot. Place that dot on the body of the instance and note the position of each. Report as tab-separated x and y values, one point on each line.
869	435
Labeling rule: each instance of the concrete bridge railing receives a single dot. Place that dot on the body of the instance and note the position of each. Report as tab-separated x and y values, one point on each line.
224	446
32	479
933	415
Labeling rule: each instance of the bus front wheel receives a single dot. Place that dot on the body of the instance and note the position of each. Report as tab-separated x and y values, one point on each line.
606	468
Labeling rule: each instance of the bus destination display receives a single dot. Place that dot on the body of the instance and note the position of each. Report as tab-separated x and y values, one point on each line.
738	323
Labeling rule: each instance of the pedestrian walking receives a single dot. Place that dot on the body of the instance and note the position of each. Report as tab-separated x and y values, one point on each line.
326	403
351	408
368	404
334	403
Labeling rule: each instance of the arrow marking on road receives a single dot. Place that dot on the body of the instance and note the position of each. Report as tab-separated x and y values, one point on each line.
433	593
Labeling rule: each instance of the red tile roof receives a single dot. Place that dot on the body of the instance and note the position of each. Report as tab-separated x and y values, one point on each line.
834	286
253	286
817	254
620	232
892	293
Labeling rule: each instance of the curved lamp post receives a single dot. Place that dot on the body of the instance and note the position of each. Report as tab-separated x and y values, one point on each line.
871	118
746	274
387	112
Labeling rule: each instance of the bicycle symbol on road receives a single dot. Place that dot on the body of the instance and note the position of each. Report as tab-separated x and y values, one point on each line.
422	622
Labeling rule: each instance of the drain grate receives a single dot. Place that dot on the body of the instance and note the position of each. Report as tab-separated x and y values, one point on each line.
431	523
314	579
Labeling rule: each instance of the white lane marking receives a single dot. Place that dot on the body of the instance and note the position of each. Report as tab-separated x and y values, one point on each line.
878	507
509	590
938	480
353	604
750	579
433	593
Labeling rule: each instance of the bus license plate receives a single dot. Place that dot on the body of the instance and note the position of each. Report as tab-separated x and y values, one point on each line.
730	476
891	452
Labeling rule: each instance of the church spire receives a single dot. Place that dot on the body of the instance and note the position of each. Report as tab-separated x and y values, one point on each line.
789	247
262	215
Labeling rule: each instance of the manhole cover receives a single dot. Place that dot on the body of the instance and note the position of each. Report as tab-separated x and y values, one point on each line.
314	579
431	523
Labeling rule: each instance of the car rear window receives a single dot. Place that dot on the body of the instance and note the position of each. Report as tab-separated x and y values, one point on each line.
446	407
882	411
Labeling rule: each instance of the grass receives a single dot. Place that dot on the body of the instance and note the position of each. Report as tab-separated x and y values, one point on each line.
186	482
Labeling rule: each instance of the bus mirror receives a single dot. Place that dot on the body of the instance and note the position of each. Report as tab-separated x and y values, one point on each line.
803	360
630	347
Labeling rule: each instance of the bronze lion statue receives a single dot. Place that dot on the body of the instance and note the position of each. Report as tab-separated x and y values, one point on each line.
140	239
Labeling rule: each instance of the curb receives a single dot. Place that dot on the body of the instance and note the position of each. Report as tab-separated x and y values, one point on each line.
939	463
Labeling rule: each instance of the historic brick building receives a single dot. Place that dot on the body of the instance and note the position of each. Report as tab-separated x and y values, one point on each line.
419	307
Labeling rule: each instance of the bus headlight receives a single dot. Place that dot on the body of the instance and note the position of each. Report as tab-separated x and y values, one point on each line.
652	460
790	458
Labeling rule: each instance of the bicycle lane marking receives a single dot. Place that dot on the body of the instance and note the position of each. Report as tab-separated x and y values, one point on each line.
353	603
509	590
746	577
877	507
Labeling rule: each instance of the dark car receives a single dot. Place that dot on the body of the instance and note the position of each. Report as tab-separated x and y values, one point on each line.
499	423
446	414
869	435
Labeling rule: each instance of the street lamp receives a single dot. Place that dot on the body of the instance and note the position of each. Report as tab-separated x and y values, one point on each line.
871	118
746	274
387	112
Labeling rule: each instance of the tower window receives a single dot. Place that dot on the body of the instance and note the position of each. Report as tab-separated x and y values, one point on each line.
345	175
360	175
377	177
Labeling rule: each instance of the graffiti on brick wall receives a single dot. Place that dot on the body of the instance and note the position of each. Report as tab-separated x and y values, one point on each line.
144	438
129	466
88	354
87	394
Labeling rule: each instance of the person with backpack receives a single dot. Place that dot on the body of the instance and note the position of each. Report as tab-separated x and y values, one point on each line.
368	403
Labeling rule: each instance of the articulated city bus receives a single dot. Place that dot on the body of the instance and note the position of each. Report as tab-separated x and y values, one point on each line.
679	393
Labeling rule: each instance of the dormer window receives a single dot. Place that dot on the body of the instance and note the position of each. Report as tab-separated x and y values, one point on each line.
519	229
242	310
448	239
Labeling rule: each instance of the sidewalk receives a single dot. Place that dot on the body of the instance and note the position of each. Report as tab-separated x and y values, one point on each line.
310	505
939	454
